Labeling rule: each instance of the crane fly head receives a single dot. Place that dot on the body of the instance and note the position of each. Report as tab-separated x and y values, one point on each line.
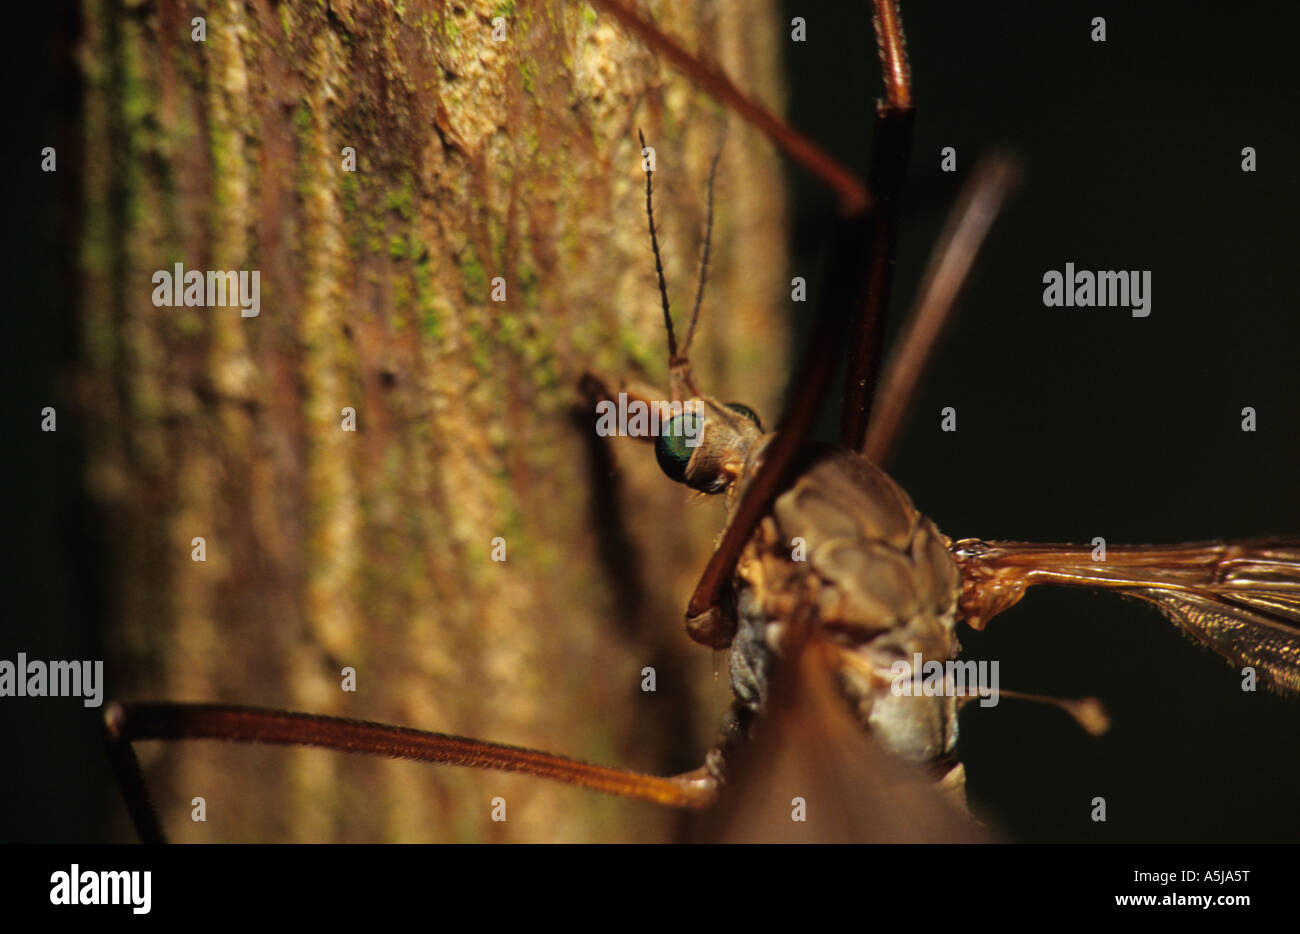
707	445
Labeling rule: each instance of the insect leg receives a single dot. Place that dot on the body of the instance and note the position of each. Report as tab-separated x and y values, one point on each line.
849	287
129	723
130	777
953	258
891	146
854	196
845	285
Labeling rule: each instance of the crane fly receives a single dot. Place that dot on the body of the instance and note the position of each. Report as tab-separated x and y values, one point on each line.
813	640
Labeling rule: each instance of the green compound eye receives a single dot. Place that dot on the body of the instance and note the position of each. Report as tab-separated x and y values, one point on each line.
747	412
671	448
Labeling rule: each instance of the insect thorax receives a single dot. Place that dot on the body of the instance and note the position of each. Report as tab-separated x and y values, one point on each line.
846	542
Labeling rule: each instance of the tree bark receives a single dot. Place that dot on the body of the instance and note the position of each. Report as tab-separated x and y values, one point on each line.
372	549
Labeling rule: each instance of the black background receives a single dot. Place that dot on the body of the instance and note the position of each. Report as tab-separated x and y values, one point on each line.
55	784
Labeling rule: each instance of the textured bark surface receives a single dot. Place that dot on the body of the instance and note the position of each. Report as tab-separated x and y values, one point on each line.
371	549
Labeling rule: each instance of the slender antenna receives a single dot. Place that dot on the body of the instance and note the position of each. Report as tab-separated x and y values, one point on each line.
704	258
654	245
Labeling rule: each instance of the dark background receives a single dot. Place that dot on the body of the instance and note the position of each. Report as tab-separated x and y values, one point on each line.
1072	422
55	784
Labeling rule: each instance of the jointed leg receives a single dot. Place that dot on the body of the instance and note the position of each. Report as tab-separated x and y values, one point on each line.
129	723
858	280
891	146
854	197
950	264
845	283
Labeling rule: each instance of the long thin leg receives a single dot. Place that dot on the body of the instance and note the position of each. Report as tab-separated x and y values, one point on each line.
130	723
130	778
891	146
853	195
844	286
969	223
850	287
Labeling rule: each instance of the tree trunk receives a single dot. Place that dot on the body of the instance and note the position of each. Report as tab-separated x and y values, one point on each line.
372	549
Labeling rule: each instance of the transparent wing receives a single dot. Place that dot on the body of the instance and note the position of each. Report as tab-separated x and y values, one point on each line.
1241	599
